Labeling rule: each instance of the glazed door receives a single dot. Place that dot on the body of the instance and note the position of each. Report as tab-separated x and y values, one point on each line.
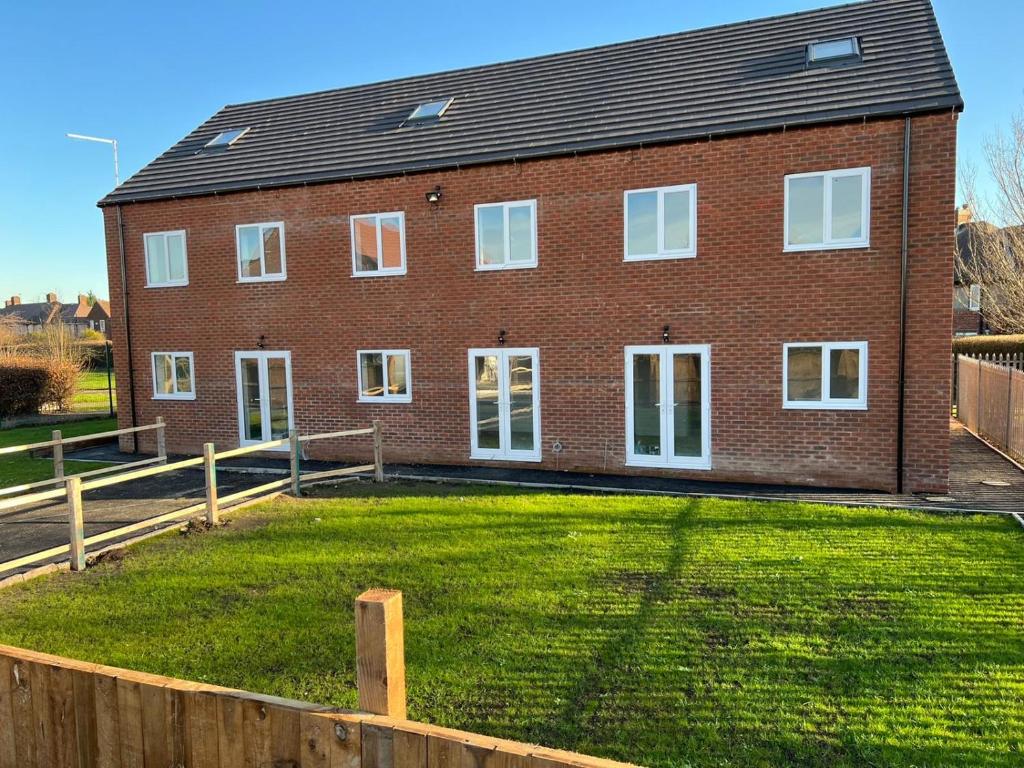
264	396
668	410
504	404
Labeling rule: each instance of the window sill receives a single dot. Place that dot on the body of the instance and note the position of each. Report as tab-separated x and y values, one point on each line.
175	397
381	273
813	406
175	284
384	400
273	279
501	267
698	464
491	457
662	256
825	247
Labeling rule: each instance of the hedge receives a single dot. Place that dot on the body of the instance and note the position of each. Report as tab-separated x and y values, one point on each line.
29	383
988	345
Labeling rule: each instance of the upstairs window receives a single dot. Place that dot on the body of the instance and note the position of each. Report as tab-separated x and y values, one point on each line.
829	209
378	244
430	110
838	51
173	376
506	235
260	252
661	223
226	138
166	259
384	376
826	375
967	297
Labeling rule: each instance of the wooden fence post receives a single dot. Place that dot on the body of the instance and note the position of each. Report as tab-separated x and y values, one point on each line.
161	440
295	449
73	485
378	452
210	465
58	456
380	653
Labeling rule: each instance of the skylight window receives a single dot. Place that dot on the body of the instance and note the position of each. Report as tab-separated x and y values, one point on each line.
829	51
227	138
430	110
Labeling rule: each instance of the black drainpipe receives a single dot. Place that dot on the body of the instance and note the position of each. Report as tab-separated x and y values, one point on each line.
127	329
903	308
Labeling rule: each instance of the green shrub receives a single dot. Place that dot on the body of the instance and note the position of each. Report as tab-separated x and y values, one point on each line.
988	345
29	383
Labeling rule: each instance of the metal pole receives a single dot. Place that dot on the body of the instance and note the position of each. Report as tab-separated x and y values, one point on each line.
295	451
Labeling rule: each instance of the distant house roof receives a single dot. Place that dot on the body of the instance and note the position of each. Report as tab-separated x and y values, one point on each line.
36	313
740	77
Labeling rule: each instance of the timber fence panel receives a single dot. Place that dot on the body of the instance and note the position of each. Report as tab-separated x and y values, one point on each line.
990	403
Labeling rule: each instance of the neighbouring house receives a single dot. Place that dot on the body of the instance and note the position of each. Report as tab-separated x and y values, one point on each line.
78	317
968	319
677	256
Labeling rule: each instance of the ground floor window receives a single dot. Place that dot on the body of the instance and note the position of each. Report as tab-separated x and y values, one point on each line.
384	376
668	406
504	404
825	375
264	381
173	376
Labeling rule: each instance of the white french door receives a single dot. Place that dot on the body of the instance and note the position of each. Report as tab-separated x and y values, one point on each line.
504	404
668	406
264	381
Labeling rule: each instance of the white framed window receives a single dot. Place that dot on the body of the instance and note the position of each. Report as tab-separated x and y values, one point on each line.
506	235
103	326
825	375
660	223
166	259
975	298
826	210
173	376
385	376
378	244
260	252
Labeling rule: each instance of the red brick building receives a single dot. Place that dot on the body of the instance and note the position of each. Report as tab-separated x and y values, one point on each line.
681	256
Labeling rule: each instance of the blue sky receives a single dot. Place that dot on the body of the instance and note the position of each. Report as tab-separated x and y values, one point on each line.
147	73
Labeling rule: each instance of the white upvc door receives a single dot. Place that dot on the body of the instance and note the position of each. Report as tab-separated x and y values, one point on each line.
668	406
504	404
264	381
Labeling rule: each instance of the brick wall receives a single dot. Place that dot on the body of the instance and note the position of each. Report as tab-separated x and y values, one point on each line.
580	306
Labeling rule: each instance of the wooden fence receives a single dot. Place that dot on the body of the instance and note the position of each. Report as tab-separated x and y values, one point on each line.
990	403
75	485
60	713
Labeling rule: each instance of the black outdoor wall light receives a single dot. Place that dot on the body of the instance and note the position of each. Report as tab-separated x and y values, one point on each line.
261	343
664	334
501	338
434	195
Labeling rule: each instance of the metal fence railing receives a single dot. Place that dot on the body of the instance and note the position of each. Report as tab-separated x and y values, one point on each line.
990	403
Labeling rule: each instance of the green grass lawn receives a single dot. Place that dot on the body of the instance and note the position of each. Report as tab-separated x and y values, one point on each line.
92	392
22	468
662	631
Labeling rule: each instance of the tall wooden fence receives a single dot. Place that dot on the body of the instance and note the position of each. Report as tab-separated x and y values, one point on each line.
990	403
57	712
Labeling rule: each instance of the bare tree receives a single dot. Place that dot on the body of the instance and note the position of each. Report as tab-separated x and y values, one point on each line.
994	255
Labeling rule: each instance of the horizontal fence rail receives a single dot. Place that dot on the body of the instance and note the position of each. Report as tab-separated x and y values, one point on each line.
75	485
990	403
62	712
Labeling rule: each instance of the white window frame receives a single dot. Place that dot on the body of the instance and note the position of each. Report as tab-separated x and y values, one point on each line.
263	356
380	271
667	459
386	397
184	252
506	264
975	297
264	277
663	252
504	415
827	403
174	367
829	243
